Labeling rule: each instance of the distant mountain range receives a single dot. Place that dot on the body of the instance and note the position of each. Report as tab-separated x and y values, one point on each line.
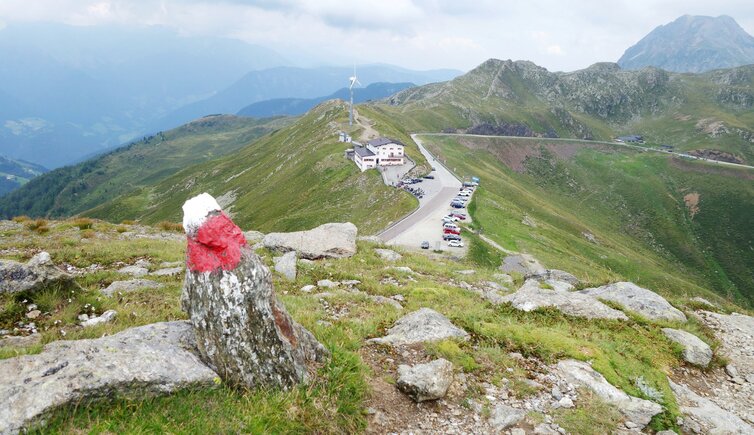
16	173
67	92
692	44
299	106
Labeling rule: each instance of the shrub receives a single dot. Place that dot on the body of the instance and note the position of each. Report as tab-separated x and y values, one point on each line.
170	226
20	219
83	223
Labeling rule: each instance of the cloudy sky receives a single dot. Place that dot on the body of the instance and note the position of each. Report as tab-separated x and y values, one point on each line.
422	34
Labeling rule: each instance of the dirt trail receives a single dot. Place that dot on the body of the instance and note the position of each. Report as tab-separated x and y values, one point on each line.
368	132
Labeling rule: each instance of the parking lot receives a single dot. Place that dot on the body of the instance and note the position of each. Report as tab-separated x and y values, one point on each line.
425	224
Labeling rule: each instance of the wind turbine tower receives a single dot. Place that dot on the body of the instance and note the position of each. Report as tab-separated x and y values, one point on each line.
352	81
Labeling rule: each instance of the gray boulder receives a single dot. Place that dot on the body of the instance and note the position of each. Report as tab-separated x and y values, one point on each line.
36	274
129	286
134	270
106	317
503	416
636	410
286	265
421	326
242	330
532	296
695	351
645	302
556	275
168	271
333	240
428	381
388	254
524	264
152	359
253	236
21	340
703	416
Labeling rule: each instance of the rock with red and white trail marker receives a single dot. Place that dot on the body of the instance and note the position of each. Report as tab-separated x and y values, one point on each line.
243	332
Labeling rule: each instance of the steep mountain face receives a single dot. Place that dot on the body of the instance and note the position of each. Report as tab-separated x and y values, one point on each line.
16	173
692	44
299	106
690	112
73	189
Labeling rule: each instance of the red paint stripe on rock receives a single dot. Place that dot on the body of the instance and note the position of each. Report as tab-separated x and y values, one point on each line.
217	245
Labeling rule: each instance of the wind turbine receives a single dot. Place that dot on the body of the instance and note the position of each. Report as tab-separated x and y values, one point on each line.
352	81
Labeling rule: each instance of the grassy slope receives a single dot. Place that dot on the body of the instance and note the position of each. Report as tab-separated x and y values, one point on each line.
335	402
293	179
632	202
73	189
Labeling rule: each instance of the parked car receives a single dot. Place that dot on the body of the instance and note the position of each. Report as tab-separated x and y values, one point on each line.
460	199
425	245
429	177
457	204
455	244
450	225
458	216
449	219
451	231
464	193
447	237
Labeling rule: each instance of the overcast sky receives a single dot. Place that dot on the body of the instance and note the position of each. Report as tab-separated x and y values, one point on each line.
421	34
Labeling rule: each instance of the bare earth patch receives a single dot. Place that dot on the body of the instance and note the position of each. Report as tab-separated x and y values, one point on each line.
692	203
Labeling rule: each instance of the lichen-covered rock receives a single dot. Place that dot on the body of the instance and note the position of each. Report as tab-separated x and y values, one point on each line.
695	351
703	416
333	240
243	331
522	263
645	302
503	416
152	359
37	273
532	296
556	275
636	410
286	265
428	381
421	326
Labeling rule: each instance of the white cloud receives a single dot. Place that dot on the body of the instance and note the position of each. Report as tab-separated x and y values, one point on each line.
556	50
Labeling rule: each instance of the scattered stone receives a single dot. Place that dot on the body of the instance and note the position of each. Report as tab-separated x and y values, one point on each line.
333	240
83	317
522	263
554	275
565	402
152	359
731	370
106	317
165	264
243	331
704	416
350	282
253	236
421	326
326	283
404	269
532	296
749	378
286	265
428	381
142	263
556	393
503	278
466	272
386	301
129	286
666	432
308	288
37	273
630	425
20	341
168	271
33	314
695	351
637	410
517	431
544	429
645	302
529	221
589	236
738	380
504	416
704	302
133	270
398	297
388	254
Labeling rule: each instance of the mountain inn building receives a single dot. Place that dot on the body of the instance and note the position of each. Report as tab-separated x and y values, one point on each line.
379	152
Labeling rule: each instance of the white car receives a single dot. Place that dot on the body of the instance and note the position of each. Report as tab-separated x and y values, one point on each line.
464	193
450	225
455	244
449	219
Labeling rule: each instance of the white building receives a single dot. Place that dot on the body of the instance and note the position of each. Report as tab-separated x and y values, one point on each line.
364	158
389	152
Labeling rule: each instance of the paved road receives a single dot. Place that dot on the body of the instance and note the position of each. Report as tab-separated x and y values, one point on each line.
425	223
621	144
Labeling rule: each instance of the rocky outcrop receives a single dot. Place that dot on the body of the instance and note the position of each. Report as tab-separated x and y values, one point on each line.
421	326
638	411
428	381
36	274
645	302
333	240
554	275
286	265
243	331
702	416
532	296
695	351
503	416
151	359
522	263
128	286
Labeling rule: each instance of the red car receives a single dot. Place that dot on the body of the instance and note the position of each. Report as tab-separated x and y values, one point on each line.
451	231
459	216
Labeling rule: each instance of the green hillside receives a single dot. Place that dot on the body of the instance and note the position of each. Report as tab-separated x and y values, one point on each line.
691	112
292	179
73	189
679	227
16	173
